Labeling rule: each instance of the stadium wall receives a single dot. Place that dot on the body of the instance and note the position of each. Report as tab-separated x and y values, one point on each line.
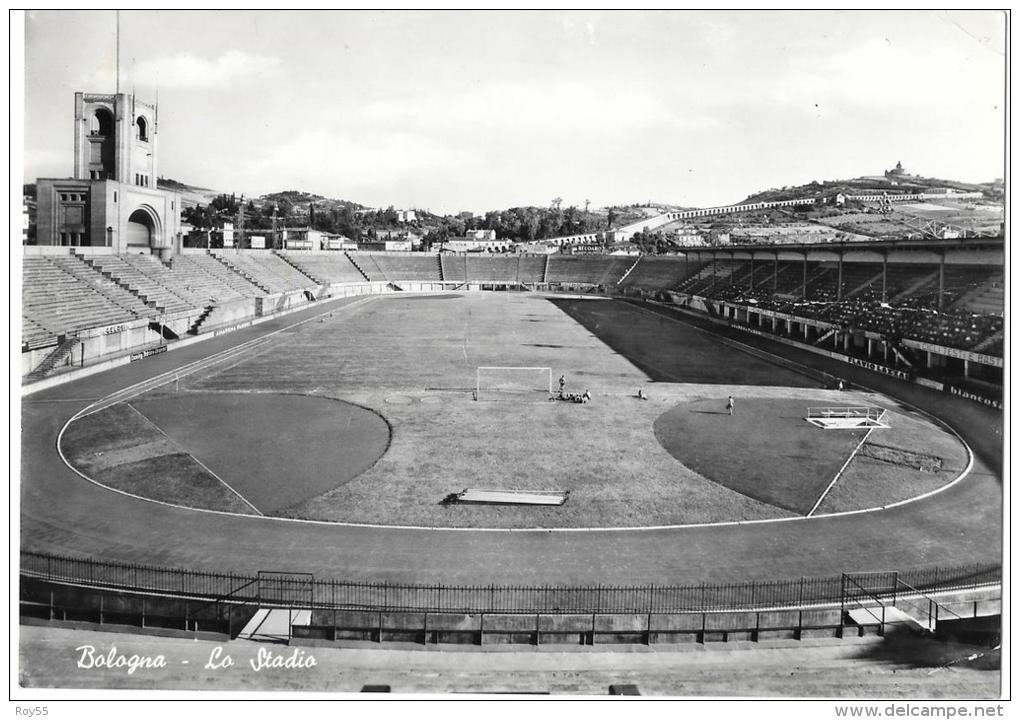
63	589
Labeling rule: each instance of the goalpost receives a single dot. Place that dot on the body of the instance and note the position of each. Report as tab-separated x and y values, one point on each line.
492	381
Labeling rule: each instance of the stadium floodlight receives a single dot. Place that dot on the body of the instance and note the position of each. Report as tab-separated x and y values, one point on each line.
493	382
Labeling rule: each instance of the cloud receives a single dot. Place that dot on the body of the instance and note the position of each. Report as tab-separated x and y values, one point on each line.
323	159
550	109
185	70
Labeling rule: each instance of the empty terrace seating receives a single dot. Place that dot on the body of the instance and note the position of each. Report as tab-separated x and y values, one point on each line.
150	279
454	267
266	270
396	267
62	304
113	292
594	269
531	268
492	268
35	335
206	277
658	273
325	268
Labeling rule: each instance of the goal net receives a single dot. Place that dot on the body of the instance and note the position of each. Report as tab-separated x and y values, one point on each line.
494	382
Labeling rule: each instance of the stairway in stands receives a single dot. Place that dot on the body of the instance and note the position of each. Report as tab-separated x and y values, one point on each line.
629	270
57	357
355	263
287	259
247	276
195	326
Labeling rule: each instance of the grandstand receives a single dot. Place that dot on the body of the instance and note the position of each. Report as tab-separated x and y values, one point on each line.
269	272
325	268
656	273
58	301
491	268
208	277
592	269
531	268
398	266
454	267
152	281
958	306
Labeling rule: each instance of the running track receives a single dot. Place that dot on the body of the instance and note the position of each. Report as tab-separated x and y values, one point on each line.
61	513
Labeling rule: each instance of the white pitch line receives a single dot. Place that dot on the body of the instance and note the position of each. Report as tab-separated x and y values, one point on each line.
202	464
840	473
568	530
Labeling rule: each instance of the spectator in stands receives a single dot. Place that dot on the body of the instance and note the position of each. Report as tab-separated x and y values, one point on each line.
729	405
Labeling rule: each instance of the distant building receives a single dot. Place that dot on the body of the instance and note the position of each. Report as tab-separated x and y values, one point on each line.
897	171
338	242
301	239
624	248
383	245
484	235
472	244
406	216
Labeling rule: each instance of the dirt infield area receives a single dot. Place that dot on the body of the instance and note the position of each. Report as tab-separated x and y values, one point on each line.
370	417
241	452
803	459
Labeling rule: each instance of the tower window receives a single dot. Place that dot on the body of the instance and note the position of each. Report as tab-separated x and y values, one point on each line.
101	122
143	129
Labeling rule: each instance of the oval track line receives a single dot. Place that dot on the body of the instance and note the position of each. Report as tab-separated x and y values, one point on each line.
377	526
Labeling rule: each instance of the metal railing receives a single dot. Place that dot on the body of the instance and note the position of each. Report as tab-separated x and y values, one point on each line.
342	594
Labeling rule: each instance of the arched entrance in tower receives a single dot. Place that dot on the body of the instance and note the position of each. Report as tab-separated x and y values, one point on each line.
140	231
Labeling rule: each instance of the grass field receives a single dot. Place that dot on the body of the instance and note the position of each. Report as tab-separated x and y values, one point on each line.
404	366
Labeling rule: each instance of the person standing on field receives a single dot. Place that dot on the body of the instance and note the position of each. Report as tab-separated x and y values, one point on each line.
729	405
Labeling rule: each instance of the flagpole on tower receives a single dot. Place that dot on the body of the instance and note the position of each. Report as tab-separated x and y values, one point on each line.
118	51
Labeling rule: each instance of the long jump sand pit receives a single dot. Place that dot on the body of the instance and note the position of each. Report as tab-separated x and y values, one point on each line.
266	450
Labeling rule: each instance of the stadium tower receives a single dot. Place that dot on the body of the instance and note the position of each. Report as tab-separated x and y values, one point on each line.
112	200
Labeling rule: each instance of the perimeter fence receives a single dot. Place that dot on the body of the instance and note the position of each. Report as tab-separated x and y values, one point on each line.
294	588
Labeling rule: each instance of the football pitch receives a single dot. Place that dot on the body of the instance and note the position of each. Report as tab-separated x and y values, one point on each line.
368	417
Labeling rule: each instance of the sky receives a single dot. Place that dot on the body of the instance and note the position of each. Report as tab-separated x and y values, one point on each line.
458	110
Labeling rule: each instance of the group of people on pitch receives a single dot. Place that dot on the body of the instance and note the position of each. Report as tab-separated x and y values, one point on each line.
572	397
